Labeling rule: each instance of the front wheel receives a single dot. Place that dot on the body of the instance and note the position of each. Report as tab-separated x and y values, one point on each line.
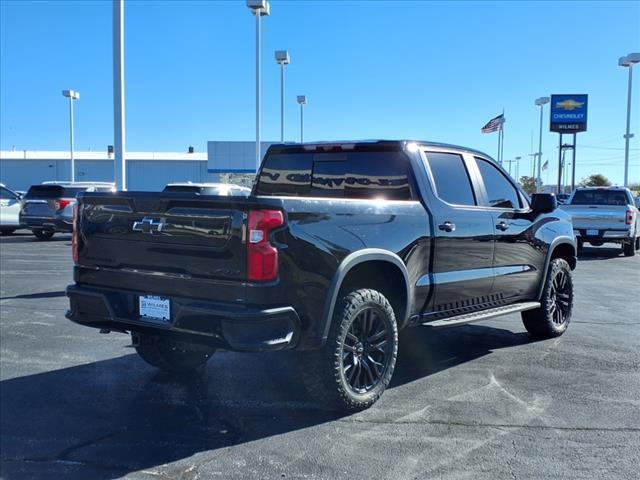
43	234
171	356
554	315
355	365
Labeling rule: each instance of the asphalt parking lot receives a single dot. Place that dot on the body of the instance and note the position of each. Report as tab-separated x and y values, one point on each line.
480	401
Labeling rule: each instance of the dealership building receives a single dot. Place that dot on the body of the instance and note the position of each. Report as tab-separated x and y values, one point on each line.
148	171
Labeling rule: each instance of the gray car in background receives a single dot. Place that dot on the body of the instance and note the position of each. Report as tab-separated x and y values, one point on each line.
48	208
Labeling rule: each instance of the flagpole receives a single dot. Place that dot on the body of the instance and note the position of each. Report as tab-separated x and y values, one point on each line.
502	144
499	141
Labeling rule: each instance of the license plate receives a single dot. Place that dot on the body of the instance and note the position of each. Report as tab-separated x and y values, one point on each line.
592	233
155	308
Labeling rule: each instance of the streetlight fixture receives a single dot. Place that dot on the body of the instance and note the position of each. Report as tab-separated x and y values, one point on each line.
302	100
282	59
260	8
71	95
628	62
540	102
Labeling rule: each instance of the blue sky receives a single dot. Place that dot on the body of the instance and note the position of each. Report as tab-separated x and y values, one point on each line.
427	70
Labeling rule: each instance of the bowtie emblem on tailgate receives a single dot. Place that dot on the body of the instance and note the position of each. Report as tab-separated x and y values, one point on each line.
148	225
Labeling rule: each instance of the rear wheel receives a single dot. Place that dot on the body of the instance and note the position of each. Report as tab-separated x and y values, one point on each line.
554	315
171	356
629	248
43	234
355	365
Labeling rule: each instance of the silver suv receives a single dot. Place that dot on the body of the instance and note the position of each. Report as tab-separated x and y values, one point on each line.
48	208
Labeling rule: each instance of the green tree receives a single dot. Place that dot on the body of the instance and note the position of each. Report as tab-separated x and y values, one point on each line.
595	180
528	184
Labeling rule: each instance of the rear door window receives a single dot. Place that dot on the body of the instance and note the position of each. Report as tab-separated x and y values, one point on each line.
500	191
450	178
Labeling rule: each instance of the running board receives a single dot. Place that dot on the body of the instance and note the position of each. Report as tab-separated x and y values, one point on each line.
482	315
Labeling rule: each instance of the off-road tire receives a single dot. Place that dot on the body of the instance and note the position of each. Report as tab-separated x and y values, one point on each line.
323	370
171	356
629	248
43	234
540	321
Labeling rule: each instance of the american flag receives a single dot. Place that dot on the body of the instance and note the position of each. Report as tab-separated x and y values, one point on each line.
545	165
494	124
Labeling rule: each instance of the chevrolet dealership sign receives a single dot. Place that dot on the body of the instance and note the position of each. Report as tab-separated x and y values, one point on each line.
568	113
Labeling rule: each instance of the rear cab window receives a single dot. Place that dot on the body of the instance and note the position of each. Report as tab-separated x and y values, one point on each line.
337	174
601	197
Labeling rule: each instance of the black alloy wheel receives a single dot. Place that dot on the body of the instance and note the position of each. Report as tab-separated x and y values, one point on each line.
365	350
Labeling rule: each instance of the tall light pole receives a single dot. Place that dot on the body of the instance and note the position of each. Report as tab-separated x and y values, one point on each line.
259	8
540	102
282	59
518	168
628	62
119	166
71	95
302	99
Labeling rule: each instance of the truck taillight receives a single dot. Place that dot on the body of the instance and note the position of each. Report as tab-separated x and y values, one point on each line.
262	257
60	204
628	217
74	236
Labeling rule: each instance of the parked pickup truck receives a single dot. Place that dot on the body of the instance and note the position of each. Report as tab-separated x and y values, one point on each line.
605	214
338	247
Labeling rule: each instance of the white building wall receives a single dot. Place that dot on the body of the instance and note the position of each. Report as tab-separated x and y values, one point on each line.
145	170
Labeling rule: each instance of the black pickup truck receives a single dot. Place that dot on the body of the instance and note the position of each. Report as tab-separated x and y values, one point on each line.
338	247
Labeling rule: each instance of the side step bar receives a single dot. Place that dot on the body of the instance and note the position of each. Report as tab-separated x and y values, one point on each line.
483	315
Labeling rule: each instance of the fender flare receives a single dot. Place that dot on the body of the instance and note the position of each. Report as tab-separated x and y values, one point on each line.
352	260
562	240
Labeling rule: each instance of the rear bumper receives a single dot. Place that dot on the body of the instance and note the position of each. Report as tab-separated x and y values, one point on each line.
607	235
222	326
55	224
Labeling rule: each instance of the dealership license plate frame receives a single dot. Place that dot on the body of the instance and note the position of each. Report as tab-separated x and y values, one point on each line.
154	308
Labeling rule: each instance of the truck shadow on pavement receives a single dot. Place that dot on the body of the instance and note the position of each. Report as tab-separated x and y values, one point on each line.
108	418
598	253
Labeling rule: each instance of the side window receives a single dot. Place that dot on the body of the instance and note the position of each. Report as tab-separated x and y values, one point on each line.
5	194
451	178
500	191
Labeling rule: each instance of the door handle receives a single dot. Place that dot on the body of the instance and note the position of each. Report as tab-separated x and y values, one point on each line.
447	226
502	226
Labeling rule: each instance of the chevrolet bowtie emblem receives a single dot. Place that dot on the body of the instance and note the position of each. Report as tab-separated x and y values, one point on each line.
148	225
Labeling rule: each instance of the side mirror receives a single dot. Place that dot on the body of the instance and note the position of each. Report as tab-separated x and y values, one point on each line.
543	202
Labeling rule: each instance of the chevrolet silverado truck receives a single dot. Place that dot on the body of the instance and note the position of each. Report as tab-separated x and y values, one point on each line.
338	247
605	215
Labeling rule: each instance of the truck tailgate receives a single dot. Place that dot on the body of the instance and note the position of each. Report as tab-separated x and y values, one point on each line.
600	217
168	236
